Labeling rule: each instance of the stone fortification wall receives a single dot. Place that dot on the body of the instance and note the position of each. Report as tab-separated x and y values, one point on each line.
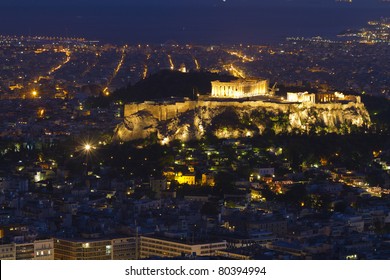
166	111
160	111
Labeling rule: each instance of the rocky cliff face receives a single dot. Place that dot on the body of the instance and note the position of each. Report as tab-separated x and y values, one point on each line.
194	119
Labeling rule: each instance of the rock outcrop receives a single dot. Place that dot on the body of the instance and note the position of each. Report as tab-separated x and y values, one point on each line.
190	120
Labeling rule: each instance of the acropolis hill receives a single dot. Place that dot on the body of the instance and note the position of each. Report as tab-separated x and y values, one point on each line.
228	113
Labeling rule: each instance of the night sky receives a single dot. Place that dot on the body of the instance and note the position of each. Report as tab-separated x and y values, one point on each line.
186	21
160	3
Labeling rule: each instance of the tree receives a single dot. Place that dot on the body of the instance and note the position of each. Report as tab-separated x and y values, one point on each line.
209	209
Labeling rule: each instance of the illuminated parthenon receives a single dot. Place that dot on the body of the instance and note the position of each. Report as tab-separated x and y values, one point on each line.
240	88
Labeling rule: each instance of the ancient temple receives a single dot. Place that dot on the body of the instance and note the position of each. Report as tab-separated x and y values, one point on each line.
242	88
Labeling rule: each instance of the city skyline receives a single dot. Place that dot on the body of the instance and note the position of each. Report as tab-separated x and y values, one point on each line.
205	22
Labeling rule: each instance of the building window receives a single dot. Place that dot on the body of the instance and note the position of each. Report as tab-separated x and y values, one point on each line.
108	250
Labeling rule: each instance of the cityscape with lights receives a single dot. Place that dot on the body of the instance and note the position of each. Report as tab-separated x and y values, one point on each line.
274	151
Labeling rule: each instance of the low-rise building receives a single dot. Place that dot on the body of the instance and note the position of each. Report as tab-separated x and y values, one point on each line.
95	249
168	248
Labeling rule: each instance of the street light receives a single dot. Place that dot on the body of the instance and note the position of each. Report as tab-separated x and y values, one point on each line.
87	147
87	150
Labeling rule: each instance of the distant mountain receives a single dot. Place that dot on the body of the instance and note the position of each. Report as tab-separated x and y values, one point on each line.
167	84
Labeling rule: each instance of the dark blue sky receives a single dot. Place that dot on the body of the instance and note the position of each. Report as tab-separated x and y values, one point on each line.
160	3
185	21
